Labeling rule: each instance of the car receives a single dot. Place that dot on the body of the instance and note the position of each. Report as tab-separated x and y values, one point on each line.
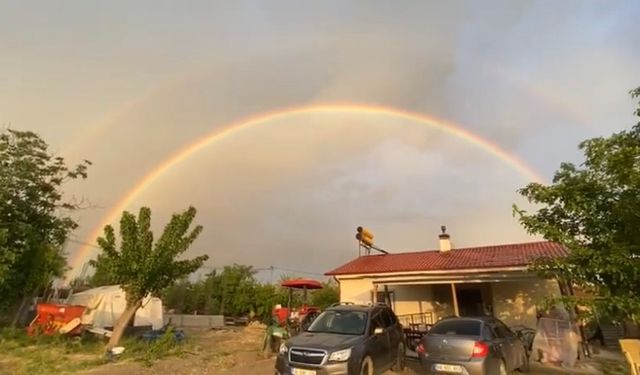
472	346
346	339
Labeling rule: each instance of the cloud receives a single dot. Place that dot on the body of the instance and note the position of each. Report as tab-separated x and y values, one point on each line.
126	89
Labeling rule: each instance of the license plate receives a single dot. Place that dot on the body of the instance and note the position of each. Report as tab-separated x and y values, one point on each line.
447	368
300	371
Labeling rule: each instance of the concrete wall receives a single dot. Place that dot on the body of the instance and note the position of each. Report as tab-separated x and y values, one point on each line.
195	321
514	302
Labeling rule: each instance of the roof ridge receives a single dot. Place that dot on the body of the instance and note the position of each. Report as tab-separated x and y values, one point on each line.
483	247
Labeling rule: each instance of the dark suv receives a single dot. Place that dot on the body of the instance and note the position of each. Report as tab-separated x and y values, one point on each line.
345	340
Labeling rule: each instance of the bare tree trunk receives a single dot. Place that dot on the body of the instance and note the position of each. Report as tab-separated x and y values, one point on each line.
122	323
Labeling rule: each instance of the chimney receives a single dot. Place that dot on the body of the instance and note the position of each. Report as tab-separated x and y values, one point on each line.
445	244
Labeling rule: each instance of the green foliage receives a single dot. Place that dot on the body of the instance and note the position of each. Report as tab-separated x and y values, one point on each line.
102	275
142	267
266	297
327	296
635	93
592	209
33	225
229	292
162	347
22	354
234	291
149	352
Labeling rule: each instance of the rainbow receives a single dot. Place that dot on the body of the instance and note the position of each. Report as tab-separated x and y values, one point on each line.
265	118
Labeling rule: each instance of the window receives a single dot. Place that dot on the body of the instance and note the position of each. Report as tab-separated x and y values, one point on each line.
380	297
502	331
377	321
385	318
340	321
487	333
457	327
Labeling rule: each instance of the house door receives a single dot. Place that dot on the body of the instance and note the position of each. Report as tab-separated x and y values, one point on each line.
470	302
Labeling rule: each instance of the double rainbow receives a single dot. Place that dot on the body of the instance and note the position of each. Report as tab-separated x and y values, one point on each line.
263	119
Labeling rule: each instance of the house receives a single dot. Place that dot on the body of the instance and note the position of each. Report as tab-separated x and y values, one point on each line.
430	285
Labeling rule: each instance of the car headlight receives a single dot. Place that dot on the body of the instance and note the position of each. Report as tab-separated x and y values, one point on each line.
283	349
340	355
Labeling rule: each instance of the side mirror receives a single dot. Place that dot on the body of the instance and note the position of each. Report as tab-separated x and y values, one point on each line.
378	331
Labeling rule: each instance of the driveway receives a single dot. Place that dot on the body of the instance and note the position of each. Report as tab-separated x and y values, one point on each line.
582	368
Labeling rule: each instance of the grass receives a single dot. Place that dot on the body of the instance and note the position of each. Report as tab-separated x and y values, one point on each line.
149	352
47	354
608	366
22	354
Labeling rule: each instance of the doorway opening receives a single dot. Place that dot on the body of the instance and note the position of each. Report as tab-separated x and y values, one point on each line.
474	300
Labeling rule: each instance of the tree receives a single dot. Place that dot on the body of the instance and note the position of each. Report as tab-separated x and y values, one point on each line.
34	225
327	296
236	290
267	296
141	267
102	274
594	210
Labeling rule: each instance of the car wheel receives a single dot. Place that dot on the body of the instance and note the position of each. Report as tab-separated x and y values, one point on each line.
503	368
367	367
525	363
398	366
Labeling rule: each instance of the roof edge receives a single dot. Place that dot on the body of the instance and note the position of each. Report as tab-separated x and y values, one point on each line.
417	272
334	273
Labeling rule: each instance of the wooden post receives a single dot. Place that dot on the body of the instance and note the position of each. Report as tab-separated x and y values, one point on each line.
387	297
455	300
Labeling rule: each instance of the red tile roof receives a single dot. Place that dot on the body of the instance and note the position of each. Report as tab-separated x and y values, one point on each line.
512	255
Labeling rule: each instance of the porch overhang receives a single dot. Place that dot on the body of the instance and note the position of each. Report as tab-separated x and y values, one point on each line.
452	278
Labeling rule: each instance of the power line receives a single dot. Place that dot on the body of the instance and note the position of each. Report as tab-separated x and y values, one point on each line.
298	271
270	268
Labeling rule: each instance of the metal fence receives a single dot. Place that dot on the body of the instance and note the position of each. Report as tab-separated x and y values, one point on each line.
415	326
417	321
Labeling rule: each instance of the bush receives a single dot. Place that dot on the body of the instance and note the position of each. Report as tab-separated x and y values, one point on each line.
148	352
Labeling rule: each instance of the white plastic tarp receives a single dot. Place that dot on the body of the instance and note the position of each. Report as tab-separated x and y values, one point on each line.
106	303
556	341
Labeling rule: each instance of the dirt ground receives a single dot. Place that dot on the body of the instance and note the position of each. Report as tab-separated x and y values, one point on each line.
233	351
225	351
237	351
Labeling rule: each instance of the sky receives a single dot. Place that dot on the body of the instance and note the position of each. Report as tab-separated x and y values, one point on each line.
128	84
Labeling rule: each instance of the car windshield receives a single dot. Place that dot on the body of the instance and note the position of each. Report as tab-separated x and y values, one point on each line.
457	327
342	322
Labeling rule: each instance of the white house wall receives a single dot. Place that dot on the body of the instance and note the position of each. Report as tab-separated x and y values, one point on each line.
513	301
412	299
356	290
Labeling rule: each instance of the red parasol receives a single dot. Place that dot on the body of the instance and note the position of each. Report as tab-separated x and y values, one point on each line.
302	284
